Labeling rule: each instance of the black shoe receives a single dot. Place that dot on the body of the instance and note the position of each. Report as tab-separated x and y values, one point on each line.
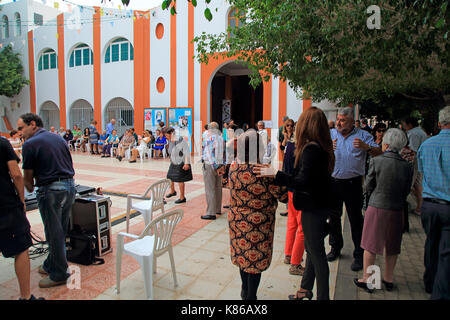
303	295
388	285
362	285
357	265
219	213
333	255
180	201
119	158
208	217
226	207
283	214
171	194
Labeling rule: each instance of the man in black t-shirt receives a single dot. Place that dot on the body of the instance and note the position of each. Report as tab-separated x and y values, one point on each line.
15	238
47	164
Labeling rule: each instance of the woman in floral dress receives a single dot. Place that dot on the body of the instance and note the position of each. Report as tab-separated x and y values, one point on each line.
252	215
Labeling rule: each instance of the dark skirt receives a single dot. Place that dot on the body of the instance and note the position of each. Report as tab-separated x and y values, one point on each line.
382	229
177	174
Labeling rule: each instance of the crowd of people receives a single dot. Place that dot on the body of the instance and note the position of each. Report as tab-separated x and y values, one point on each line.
326	165
380	174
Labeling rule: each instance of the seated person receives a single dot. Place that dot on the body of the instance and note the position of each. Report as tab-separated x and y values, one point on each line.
85	139
76	134
68	136
16	142
111	142
126	142
160	143
101	140
142	148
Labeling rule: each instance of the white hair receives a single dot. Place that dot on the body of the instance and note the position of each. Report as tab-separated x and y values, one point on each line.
213	125
396	139
347	111
444	116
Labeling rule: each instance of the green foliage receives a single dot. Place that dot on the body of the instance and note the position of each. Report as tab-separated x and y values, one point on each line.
326	47
11	73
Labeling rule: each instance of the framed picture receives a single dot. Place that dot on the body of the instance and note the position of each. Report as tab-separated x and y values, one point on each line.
153	117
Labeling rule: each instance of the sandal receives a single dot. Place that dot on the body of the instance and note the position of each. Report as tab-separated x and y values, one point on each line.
296	269
300	295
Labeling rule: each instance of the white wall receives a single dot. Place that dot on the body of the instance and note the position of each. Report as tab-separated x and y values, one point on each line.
294	106
160	58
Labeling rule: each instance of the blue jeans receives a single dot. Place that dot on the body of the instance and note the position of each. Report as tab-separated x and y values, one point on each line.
55	204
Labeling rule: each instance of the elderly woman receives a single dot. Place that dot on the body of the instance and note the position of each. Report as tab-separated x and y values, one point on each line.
180	168
142	148
127	142
252	217
388	184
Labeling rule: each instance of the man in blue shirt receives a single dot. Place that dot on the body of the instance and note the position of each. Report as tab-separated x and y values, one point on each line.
433	160
110	126
47	161
351	146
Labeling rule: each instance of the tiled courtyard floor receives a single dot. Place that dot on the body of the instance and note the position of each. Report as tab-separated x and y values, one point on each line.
201	247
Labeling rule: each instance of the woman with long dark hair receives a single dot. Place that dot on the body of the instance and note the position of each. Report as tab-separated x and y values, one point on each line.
311	182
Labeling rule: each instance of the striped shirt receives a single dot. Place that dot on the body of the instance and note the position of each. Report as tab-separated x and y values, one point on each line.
433	160
213	148
350	161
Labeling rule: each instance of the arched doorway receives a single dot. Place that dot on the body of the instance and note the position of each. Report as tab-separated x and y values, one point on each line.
121	110
81	114
49	113
232	96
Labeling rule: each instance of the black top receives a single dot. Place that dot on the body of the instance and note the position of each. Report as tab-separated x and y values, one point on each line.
310	176
48	156
8	195
289	160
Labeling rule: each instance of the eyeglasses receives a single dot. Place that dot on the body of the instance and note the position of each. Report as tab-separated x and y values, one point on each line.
381	130
289	126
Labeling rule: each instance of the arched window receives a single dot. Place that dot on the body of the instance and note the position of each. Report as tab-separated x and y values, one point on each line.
47	60
81	56
119	50
5	27
234	20
18	24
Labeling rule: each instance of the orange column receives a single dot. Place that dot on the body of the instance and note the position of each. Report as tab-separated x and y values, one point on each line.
191	55
97	69
61	72
31	72
267	102
173	60
141	27
282	109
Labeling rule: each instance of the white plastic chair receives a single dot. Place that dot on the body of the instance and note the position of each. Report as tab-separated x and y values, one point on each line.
148	206
154	241
128	150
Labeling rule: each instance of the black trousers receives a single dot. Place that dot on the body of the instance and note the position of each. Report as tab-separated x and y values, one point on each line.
348	191
314	224
250	284
436	223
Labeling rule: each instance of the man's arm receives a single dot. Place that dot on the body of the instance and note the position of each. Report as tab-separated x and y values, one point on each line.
17	178
28	179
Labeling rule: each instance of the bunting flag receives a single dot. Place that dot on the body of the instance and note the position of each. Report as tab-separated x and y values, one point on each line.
101	12
57	35
56	5
69	6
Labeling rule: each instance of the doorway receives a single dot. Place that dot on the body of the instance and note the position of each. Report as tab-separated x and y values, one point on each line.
231	86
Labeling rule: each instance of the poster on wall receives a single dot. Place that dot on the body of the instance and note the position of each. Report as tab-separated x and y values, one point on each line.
152	118
181	120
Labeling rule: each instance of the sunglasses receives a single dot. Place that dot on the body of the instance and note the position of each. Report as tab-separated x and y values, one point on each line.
381	130
289	126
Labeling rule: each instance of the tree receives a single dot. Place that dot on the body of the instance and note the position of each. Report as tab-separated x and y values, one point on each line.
11	73
334	50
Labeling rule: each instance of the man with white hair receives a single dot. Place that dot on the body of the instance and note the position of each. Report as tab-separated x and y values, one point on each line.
212	160
351	147
433	159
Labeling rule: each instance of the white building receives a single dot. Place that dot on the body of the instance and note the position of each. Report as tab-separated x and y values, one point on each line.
94	63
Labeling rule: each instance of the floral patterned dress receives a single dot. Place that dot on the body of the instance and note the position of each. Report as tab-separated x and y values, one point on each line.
252	218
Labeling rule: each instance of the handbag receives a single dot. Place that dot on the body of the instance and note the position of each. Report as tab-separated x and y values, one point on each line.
81	248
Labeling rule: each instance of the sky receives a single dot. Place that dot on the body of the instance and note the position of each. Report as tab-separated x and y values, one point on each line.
134	4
